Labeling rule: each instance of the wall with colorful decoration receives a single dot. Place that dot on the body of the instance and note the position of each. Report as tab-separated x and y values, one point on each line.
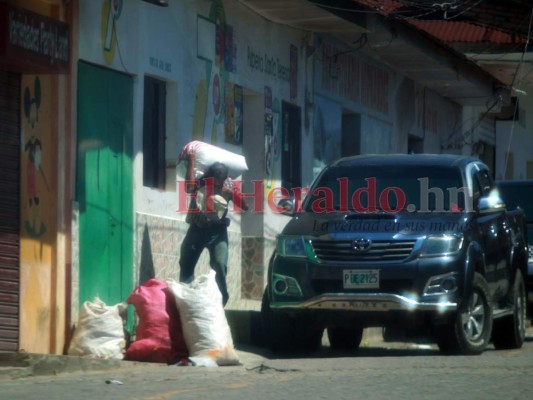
226	72
37	50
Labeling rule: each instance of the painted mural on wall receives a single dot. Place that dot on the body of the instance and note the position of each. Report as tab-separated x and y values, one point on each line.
272	137
217	48
233	119
111	10
38	159
35	177
219	60
238	117
38	209
269	131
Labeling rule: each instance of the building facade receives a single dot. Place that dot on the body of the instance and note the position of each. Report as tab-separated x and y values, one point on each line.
35	47
93	140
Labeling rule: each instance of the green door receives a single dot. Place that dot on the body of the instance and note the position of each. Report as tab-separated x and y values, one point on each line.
104	184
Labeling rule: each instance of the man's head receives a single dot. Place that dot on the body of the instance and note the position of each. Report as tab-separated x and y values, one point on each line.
219	173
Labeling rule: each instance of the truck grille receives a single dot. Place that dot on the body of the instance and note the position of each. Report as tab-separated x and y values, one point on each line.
380	250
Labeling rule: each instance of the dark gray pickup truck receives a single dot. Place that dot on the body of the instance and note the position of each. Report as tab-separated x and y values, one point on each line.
417	244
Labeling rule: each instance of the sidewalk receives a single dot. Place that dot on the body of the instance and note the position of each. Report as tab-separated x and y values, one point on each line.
22	365
251	355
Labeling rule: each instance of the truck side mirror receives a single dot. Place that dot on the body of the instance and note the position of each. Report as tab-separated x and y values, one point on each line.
492	202
287	205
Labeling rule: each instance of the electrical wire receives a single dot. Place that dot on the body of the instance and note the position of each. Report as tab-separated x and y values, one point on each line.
462	12
509	50
525	75
118	48
512	86
350	10
470	132
420	15
446	7
493	45
525	48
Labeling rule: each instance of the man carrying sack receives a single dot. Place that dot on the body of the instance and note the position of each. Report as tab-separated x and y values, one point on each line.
208	221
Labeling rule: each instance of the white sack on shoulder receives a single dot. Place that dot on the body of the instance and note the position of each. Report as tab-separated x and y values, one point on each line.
100	331
207	154
204	324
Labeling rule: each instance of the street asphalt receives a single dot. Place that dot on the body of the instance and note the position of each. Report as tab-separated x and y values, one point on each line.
15	365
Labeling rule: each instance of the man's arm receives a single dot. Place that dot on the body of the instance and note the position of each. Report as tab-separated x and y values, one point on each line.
235	194
243	202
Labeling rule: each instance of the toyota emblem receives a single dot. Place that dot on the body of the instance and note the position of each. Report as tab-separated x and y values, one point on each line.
361	245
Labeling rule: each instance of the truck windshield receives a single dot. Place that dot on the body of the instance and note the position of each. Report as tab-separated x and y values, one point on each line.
389	188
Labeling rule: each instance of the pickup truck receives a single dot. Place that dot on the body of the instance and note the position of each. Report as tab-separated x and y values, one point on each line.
419	244
519	194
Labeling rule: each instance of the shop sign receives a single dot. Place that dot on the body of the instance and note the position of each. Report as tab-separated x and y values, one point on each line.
31	42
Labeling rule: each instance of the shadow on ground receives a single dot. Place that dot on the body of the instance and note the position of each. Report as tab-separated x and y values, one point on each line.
327	352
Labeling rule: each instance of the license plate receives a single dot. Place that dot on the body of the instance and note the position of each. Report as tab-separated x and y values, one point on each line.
357	279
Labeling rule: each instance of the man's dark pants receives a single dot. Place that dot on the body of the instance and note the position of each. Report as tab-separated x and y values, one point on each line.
215	239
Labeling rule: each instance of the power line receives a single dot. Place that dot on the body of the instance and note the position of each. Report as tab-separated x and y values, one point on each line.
462	12
512	87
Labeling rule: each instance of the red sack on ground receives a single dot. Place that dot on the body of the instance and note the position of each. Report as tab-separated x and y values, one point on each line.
159	336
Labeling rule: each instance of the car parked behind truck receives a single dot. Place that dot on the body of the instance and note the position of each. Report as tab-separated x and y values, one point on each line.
415	243
519	194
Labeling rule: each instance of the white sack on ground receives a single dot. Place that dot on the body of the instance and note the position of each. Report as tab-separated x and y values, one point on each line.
205	327
206	155
100	331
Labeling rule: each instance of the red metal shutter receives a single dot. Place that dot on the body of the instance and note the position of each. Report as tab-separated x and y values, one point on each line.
9	209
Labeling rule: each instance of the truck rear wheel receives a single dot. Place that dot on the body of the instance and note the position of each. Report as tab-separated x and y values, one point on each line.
468	330
509	332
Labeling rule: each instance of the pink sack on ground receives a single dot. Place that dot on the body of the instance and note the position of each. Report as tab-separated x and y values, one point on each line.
158	334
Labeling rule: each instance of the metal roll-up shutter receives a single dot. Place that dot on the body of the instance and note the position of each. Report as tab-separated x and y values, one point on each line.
9	209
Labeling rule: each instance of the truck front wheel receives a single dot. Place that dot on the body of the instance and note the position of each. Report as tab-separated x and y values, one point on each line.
284	333
342	338
468	330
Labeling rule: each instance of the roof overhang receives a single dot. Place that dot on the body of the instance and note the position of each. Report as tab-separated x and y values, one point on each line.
301	14
406	49
513	69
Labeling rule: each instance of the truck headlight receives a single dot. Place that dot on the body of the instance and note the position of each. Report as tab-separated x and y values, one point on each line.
291	246
441	245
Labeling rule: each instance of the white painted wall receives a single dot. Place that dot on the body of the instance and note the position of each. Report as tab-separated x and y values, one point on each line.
162	42
516	137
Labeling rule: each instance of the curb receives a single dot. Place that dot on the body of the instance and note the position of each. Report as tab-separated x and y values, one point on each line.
21	365
246	332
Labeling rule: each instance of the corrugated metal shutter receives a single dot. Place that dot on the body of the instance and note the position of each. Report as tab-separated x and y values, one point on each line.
9	209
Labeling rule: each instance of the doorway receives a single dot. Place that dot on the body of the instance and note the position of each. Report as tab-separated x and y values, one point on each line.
104	183
291	127
351	134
